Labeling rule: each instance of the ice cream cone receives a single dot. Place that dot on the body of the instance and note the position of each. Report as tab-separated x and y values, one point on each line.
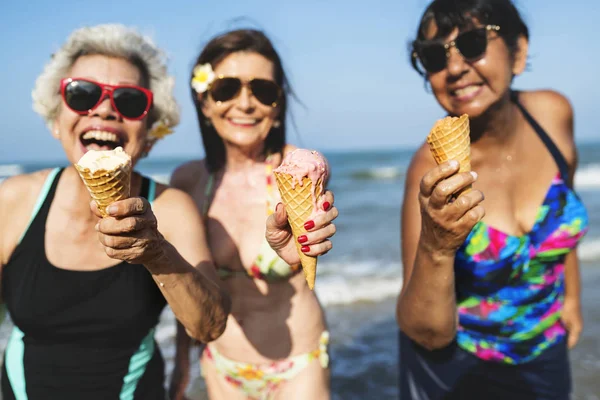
299	203
450	139
106	187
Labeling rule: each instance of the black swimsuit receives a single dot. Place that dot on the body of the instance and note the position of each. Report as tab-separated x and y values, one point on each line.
79	334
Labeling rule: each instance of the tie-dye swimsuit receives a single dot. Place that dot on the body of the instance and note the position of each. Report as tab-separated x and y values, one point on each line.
260	382
510	289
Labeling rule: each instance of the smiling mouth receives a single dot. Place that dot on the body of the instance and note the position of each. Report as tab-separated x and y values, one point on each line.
100	140
465	91
243	121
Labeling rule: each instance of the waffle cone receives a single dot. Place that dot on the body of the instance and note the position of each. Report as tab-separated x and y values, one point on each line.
299	206
106	187
450	139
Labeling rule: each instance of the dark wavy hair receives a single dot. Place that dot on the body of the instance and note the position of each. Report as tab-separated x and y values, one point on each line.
461	14
215	51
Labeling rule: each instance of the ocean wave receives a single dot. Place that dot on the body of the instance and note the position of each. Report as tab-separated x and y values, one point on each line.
589	250
378	173
8	170
161	178
588	176
347	283
338	283
345	291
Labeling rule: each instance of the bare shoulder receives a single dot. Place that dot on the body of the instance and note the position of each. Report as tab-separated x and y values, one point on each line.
18	195
553	111
421	162
173	206
556	105
188	175
181	223
19	190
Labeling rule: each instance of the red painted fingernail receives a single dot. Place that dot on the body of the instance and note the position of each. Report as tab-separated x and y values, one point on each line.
326	205
309	225
302	239
305	249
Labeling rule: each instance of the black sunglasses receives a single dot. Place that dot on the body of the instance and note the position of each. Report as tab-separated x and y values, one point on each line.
471	44
227	88
84	95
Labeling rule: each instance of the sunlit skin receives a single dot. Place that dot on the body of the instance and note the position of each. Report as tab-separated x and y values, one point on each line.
513	171
243	122
471	88
69	126
269	321
77	239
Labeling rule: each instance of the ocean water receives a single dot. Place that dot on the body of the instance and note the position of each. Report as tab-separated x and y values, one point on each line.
360	278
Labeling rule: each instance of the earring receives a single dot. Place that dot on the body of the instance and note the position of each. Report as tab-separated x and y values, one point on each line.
149	143
276	124
207	122
427	86
56	133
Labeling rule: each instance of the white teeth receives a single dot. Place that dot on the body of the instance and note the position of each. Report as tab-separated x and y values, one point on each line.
101	135
466	90
243	121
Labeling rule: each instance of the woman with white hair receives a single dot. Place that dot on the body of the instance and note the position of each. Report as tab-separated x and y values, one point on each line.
84	323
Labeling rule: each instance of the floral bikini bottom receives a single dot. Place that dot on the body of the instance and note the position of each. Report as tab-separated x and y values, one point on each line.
259	381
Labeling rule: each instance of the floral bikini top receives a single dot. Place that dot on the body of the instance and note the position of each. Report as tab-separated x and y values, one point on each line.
267	266
510	289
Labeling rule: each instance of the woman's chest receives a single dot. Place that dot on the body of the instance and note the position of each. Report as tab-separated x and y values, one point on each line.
493	255
514	191
235	231
74	304
71	245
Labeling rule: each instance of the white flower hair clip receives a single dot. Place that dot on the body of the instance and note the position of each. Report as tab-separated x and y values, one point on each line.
203	77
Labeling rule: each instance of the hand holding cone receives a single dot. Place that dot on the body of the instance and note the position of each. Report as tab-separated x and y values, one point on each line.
300	180
450	139
107	176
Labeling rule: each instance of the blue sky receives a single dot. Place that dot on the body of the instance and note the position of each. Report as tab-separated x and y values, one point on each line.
347	62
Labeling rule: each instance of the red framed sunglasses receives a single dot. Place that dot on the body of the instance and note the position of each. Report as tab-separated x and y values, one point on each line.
84	95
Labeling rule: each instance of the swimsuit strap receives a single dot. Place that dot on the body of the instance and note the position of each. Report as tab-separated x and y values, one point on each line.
563	167
208	194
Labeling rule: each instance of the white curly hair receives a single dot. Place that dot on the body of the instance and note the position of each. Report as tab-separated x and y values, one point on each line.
113	40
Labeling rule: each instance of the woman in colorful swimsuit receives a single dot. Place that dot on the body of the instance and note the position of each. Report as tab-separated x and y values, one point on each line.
490	301
275	343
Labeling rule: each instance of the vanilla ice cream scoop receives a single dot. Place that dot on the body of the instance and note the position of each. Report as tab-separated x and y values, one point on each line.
107	176
107	160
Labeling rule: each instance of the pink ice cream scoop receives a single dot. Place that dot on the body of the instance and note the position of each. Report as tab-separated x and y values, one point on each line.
301	179
302	163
